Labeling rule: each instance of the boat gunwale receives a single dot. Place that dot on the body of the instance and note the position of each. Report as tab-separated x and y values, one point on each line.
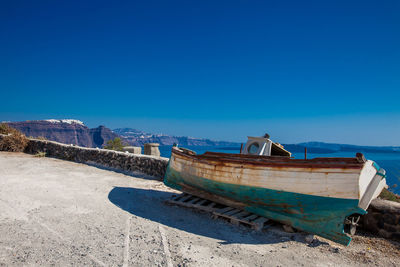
273	161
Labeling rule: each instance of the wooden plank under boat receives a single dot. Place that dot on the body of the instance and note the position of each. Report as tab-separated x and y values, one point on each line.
315	195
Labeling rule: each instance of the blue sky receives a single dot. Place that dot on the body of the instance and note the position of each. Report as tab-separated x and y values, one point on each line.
300	70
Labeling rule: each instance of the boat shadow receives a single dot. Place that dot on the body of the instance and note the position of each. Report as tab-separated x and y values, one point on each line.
150	204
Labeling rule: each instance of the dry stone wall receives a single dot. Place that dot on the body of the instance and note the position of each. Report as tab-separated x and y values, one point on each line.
383	218
122	161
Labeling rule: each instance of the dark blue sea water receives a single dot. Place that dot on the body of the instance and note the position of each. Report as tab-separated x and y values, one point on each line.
389	161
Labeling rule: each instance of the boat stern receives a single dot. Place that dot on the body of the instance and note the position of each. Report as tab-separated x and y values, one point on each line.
372	182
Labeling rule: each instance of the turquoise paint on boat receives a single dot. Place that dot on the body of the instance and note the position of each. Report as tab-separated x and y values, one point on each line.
323	216
376	166
379	170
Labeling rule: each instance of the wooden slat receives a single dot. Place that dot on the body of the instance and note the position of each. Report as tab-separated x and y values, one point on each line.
178	197
193	200
237	218
235	215
230	213
241	214
200	203
185	198
223	210
211	204
252	217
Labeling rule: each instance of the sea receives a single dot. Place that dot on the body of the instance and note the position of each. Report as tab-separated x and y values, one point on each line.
389	161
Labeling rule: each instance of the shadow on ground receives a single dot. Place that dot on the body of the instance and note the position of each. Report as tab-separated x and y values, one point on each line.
150	204
135	174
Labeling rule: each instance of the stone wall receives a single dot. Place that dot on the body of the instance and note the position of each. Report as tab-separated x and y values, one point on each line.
383	218
122	161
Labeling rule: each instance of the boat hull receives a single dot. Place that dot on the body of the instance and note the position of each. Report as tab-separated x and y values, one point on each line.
315	195
323	216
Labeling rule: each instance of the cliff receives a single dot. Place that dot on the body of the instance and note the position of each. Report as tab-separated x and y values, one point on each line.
65	131
75	132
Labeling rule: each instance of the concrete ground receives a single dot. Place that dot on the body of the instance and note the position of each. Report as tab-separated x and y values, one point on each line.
55	212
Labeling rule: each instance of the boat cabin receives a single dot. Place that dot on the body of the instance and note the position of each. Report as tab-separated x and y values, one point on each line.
263	146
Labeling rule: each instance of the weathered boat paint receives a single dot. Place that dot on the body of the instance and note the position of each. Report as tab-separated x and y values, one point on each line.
314	195
323	216
307	179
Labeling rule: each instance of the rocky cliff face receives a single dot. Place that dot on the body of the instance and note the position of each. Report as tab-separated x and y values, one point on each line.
101	135
66	131
75	132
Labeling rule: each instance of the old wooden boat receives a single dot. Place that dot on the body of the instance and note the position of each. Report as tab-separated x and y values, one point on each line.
320	195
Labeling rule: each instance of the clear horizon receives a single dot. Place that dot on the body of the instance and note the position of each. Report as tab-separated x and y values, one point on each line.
309	71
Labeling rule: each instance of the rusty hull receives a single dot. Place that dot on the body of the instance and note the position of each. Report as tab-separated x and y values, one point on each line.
235	180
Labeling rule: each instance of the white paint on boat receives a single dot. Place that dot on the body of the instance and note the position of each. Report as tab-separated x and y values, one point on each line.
372	182
347	183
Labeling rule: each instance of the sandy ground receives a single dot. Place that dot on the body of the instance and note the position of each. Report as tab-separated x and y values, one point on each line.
55	212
